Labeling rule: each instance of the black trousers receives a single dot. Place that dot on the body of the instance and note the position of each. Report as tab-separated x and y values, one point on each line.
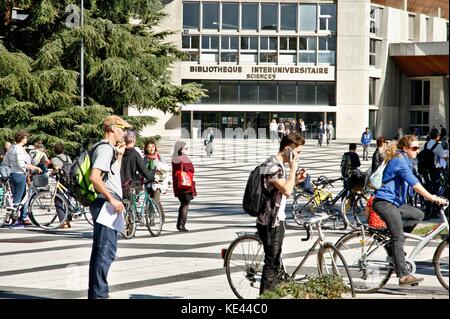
272	239
185	199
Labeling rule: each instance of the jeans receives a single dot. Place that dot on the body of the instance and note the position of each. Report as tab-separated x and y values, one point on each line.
19	186
104	248
272	239
319	139
328	138
365	151
393	217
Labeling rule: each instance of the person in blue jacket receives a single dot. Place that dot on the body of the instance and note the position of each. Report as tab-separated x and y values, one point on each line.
390	201
366	138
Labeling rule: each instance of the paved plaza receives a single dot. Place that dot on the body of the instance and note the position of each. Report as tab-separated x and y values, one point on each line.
54	264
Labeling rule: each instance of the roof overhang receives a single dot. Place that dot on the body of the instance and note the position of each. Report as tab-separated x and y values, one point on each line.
421	59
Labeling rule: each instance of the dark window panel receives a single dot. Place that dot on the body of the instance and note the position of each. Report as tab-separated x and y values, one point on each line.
230	16
306	93
250	16
191	13
248	92
287	93
288	17
269	16
229	92
210	15
213	92
268	92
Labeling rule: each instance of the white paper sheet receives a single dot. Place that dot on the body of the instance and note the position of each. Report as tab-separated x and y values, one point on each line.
109	218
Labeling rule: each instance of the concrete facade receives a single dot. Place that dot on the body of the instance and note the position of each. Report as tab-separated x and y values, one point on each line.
353	70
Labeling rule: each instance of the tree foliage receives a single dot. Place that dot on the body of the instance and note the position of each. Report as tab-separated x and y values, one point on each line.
126	65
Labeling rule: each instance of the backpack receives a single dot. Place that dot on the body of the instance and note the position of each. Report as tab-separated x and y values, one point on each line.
67	165
346	167
280	127
80	186
255	195
426	160
375	180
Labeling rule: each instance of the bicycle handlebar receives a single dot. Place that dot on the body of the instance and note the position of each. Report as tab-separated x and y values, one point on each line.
323	180
316	220
308	231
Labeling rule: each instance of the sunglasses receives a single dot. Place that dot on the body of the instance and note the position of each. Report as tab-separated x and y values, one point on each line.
120	126
414	148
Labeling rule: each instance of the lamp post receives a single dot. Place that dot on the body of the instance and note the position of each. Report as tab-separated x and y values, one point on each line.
82	58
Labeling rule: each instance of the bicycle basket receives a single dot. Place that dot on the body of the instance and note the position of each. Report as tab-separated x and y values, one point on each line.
40	181
357	181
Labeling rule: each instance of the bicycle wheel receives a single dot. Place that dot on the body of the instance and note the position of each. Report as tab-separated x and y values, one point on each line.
352	209
368	260
153	218
5	216
302	208
130	220
243	265
331	262
44	208
440	262
88	216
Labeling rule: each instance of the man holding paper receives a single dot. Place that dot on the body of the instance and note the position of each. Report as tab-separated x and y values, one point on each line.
105	176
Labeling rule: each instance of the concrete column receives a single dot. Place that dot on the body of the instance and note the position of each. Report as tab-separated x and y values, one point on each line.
439	103
352	68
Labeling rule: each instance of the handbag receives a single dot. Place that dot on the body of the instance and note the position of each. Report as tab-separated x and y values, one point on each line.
184	179
374	219
375	180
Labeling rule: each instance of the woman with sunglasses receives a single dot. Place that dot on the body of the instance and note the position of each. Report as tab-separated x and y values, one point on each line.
390	201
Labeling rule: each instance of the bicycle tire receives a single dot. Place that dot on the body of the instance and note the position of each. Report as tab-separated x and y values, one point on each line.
355	210
243	266
5	216
370	272
42	210
338	268
302	212
153	218
130	220
440	262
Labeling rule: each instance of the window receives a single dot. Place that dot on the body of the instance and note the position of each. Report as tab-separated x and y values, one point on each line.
230	16
288	17
288	43
249	16
229	43
308	17
306	93
325	93
210	15
420	92
248	92
213	92
268	43
287	93
376	16
327	17
327	50
411	28
269	16
308	49
268	92
419	120
372	90
191	18
249	43
373	51
190	42
229	92
210	42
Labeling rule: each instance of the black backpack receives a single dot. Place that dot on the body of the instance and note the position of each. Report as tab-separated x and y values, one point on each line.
425	160
255	195
65	169
346	165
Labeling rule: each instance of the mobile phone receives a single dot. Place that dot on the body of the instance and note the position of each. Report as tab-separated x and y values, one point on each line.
289	154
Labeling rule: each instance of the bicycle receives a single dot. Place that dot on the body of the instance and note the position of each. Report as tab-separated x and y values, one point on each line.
136	208
353	202
244	257
369	255
10	213
43	209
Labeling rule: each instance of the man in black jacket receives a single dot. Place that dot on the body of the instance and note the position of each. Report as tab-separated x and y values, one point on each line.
133	164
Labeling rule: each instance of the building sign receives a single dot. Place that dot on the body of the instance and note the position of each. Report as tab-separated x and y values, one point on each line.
258	72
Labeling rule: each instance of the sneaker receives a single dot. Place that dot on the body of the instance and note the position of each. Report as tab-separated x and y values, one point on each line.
17	224
409	280
27	222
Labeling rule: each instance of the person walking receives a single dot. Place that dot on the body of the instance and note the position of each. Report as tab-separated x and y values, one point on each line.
444	138
378	155
302	128
320	133
390	202
366	138
59	162
155	161
133	163
329	130
271	224
105	177
19	163
273	130
185	194
281	130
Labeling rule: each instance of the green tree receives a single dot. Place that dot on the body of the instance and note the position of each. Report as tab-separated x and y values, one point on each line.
126	65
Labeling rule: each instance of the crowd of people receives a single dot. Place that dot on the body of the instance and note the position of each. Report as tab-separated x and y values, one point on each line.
118	165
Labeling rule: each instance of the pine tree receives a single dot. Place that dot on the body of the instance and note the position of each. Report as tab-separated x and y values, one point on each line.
125	65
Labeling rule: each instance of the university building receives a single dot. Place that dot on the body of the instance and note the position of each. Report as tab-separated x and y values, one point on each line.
381	64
